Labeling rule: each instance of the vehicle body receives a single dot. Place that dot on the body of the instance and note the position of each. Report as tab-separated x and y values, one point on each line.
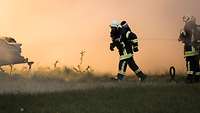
10	52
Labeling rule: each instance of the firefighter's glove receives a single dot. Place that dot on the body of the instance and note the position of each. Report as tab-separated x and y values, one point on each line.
112	46
135	49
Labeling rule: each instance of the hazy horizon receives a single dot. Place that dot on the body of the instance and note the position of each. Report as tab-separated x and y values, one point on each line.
53	30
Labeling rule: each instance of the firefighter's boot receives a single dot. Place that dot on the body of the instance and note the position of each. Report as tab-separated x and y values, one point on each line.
119	77
189	78
141	76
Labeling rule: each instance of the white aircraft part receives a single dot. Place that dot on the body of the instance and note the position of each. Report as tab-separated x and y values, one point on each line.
10	52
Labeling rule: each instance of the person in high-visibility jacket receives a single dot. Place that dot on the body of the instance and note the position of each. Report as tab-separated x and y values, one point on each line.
191	52
127	43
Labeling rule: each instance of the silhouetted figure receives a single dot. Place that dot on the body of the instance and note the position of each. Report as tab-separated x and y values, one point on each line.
127	43
189	37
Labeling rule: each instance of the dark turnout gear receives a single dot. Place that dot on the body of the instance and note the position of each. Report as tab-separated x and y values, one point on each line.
191	51
129	37
192	65
127	43
115	33
131	63
115	36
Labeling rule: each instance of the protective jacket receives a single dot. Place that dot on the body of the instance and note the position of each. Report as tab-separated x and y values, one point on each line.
126	44
189	49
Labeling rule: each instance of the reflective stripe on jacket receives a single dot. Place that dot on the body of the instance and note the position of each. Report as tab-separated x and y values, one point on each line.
190	51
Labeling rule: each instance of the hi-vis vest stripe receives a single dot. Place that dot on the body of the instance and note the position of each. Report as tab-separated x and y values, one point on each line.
137	71
135	41
197	73
191	53
126	56
122	71
127	34
190	72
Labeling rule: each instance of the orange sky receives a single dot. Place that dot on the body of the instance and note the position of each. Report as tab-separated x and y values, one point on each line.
59	29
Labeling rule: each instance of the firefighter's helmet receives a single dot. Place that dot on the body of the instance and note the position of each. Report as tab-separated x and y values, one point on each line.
187	19
115	23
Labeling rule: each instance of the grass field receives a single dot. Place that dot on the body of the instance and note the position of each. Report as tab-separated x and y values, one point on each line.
91	94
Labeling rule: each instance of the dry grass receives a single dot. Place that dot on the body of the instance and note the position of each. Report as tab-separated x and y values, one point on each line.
64	79
65	91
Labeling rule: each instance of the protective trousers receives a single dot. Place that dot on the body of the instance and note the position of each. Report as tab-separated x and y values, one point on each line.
131	63
192	64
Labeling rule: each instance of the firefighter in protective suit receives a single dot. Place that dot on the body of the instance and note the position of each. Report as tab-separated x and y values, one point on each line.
127	43
191	51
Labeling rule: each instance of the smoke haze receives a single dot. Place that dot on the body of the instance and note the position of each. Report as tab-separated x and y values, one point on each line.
53	30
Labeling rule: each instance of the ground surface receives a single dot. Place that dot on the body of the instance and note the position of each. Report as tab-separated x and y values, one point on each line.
90	94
